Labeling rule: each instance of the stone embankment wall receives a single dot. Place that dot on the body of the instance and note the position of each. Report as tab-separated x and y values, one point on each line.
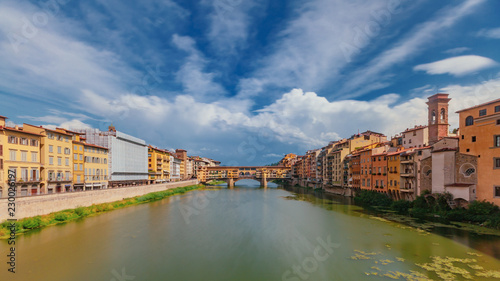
48	203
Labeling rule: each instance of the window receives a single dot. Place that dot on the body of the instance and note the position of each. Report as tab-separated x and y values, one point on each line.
414	133
67	161
81	148
482	112
24	141
433	117
67	151
1	150
473	138
59	149
81	157
75	156
1	164
34	156
33	142
50	136
81	167
497	108
469	121
75	167
75	147
498	122
443	115
496	141
105	161
59	161
12	139
496	163
51	148
51	160
24	156
497	191
12	155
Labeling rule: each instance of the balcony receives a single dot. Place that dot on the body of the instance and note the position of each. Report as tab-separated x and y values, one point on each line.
60	179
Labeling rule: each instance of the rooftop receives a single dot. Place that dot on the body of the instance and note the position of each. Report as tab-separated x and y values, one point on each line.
479	105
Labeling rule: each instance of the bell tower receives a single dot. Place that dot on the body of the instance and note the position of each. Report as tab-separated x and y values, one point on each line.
438	117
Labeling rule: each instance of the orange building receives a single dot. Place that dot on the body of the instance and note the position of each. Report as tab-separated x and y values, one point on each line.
379	171
393	175
365	161
480	136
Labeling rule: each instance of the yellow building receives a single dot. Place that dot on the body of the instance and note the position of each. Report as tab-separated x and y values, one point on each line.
95	166
55	158
158	165
20	152
90	163
78	163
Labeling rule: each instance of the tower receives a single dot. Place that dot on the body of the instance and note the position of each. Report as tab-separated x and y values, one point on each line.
438	117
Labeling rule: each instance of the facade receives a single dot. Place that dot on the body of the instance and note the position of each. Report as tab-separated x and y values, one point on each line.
175	168
181	154
20	152
438	117
480	136
158	165
128	156
393	176
379	171
448	170
78	163
95	166
56	158
415	137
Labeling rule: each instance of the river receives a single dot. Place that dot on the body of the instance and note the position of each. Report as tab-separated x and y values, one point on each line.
246	233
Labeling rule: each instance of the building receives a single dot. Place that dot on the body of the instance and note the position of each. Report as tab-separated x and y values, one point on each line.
393	176
128	156
181	154
20	152
480	136
379	170
175	168
446	170
288	160
55	158
415	137
158	165
438	117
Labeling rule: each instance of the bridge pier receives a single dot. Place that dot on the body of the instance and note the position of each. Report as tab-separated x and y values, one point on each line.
263	181
230	182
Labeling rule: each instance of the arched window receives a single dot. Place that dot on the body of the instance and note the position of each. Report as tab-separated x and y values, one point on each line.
469	121
433	117
443	115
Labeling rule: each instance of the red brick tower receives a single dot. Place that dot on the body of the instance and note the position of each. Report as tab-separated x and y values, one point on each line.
438	117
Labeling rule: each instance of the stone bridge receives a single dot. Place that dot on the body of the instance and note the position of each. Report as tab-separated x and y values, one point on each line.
234	174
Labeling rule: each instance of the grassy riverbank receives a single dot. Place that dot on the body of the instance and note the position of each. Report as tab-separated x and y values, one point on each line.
215	182
28	224
433	209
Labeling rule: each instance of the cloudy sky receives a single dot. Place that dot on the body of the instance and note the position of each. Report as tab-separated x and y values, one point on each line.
244	82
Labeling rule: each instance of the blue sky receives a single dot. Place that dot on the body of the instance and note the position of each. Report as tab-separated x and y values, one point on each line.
244	82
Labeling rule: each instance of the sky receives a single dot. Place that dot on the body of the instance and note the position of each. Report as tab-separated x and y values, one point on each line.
244	82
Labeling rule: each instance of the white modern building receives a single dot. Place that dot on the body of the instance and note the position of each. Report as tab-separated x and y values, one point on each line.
175	169
128	156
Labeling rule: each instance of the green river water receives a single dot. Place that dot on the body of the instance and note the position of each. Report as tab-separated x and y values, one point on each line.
249	233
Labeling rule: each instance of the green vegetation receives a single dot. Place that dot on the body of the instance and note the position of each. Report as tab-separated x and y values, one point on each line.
215	182
433	208
28	224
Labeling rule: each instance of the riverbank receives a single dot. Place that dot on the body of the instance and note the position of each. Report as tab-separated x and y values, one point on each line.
28	224
215	182
433	208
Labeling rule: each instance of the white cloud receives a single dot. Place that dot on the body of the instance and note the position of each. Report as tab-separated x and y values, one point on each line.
192	76
493	33
229	24
361	81
308	51
273	155
457	66
456	51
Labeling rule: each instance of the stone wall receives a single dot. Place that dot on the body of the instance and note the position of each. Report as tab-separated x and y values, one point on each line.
45	204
